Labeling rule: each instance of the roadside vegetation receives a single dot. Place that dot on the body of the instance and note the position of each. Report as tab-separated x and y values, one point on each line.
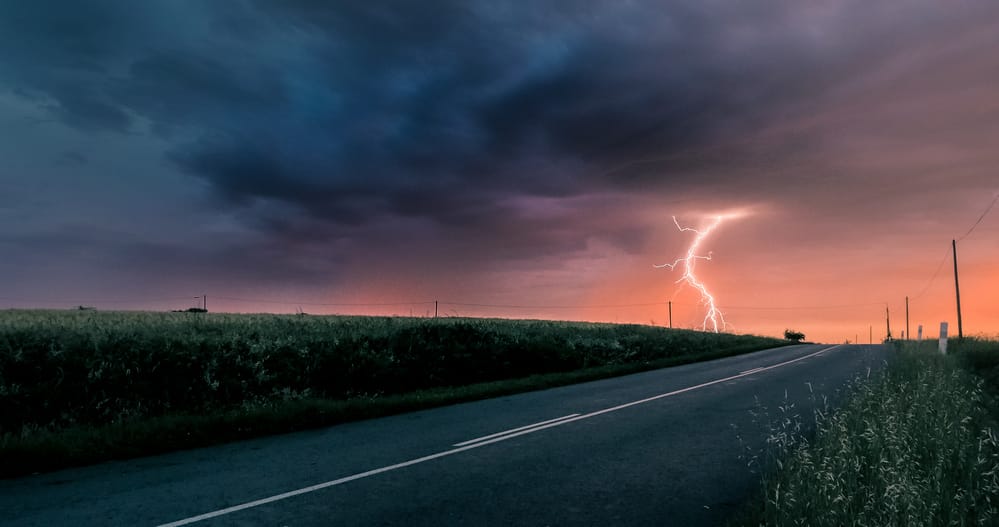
914	446
83	386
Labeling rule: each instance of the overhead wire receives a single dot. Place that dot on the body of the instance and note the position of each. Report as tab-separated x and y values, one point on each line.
428	302
982	217
327	304
948	251
935	273
79	300
978	222
563	306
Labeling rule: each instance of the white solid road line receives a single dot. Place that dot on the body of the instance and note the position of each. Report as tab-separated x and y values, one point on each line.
505	432
481	443
747	372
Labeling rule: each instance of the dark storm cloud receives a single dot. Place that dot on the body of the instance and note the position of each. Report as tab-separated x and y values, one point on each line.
73	158
178	87
349	114
322	105
61	54
115	257
426	111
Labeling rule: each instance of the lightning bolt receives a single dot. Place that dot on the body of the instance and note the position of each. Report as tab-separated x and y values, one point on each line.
714	316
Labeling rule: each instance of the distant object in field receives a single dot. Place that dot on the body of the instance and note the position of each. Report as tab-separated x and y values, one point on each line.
191	310
796	336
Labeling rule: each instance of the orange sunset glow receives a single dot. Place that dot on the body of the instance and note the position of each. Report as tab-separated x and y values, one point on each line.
514	163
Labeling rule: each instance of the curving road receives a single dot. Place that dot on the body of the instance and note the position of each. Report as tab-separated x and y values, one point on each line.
665	447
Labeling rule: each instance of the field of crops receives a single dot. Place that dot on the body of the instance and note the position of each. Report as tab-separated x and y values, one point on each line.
64	369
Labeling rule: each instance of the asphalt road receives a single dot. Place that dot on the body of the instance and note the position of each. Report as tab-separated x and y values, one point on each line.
666	447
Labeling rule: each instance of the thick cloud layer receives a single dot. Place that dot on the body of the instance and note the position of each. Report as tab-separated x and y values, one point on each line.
496	133
322	105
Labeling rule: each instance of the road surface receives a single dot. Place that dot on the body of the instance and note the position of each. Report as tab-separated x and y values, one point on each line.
665	447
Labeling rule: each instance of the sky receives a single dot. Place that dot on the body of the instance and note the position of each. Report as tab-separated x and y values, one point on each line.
506	159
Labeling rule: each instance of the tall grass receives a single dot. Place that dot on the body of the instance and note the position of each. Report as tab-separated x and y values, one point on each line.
82	386
981	357
914	446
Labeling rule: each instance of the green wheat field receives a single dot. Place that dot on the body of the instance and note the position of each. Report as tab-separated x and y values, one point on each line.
83	386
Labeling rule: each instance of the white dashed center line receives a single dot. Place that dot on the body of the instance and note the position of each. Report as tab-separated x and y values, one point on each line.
475	443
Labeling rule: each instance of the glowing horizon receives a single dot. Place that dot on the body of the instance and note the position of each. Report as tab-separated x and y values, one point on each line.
524	175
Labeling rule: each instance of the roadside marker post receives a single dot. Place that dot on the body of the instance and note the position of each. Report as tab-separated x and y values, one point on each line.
943	338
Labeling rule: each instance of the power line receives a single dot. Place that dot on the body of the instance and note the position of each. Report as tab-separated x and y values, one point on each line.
948	251
442	302
580	306
980	218
328	304
788	308
935	273
94	301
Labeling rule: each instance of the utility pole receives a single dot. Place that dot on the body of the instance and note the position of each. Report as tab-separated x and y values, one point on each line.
870	336
204	302
888	322
908	334
670	302
435	309
957	291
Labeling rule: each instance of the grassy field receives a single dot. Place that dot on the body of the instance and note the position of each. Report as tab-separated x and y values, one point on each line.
915	446
81	387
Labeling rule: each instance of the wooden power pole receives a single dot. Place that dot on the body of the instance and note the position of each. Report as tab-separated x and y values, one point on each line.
908	334
957	291
888	324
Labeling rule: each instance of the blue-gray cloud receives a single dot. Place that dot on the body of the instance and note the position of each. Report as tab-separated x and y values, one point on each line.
321	120
305	101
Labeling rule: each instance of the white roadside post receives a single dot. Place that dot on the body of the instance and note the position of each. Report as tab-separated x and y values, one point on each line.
920	333
943	338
